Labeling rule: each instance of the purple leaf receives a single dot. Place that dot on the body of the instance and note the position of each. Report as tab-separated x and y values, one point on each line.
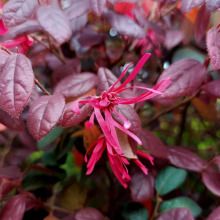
17	81
105	79
124	25
177	214
212	5
213	46
10	172
213	88
153	144
14	209
70	67
69	118
215	215
78	23
76	85
54	22
97	6
78	7
185	159
173	38
89	214
201	24
130	114
186	74
44	114
10	122
3	57
141	186
211	176
188	5
23	29
16	12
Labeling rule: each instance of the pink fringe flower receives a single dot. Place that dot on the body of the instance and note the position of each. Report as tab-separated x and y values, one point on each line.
103	108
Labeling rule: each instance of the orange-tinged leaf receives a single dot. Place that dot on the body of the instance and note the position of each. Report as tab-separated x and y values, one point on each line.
51	217
125	145
90	136
206	110
79	133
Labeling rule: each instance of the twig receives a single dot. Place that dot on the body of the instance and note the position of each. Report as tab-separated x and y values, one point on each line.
170	109
155	213
59	209
57	54
41	87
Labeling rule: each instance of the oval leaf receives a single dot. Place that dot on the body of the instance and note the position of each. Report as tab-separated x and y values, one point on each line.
213	46
177	214
185	159
17	81
89	214
215	215
211	176
44	114
76	85
141	186
213	88
186	74
14	209
212	5
124	25
165	182
54	22
181	202
16	12
69	118
153	144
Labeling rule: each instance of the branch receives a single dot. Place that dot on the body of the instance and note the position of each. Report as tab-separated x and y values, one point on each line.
41	87
155	213
170	109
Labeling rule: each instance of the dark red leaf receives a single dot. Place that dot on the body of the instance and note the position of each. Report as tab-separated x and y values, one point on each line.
10	122
97	6
213	46
28	27
215	214
130	114
141	186
211	176
185	159
54	22
44	114
14	209
10	172
16	12
69	118
212	5
78	7
188	5
76	85
71	66
124	25
177	214
105	79
173	38
201	24
89	214
186	74
213	88
153	144
17	81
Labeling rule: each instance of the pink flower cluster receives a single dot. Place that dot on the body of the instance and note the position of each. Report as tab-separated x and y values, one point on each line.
104	106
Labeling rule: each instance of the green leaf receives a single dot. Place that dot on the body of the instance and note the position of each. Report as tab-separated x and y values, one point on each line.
169	179
52	136
135	211
181	202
